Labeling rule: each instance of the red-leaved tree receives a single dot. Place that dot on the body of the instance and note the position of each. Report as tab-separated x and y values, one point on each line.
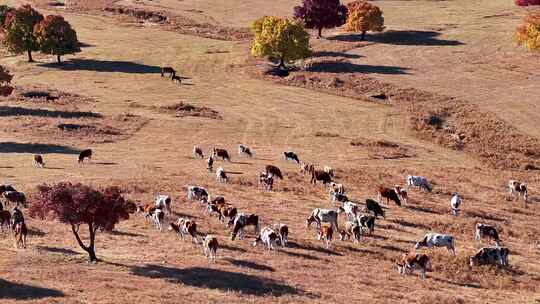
78	204
319	14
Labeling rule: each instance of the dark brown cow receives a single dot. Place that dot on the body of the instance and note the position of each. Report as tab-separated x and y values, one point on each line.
322	176
5	219
177	79
307	168
274	171
222	153
15	197
85	154
21	233
388	194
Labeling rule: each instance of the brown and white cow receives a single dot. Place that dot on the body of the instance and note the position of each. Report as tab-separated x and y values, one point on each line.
408	262
283	233
389	194
38	161
268	237
243	220
325	234
519	188
21	233
210	247
222	153
352	231
306	168
272	170
401	192
185	227
197	152
322	176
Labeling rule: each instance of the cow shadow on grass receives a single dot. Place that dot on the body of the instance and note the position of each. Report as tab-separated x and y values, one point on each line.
232	248
442	280
251	265
109	66
313	248
421	209
335	54
18	291
6	111
405	37
12	147
216	279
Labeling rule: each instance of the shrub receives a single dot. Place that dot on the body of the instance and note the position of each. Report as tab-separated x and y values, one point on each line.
363	17
5	80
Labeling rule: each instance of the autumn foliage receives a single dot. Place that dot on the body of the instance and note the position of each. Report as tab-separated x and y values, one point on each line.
319	14
528	34
363	17
5	80
78	204
4	10
527	2
56	37
280	38
18	30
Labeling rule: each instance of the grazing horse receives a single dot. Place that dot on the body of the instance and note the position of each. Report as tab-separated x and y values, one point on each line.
197	152
168	70
241	221
389	194
21	233
273	171
85	154
289	155
222	153
320	176
38	161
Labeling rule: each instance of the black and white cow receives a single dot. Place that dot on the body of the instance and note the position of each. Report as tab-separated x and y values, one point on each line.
319	216
419	182
289	155
519	188
483	230
196	193
490	256
244	151
431	240
163	202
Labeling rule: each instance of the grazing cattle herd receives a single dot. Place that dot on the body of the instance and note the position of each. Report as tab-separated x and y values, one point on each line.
359	218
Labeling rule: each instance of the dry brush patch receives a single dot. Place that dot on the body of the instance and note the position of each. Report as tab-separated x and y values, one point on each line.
447	121
383	149
183	109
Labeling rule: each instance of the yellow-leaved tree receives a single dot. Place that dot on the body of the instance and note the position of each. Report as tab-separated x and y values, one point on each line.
528	33
281	39
362	17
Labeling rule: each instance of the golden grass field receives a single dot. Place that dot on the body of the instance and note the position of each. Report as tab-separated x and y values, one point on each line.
455	48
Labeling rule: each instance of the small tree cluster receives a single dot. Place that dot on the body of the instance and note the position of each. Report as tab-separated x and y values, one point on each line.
319	14
26	30
280	38
363	17
78	204
528	34
5	81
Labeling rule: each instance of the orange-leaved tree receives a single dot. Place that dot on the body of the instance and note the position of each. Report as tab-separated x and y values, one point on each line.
362	17
55	36
528	34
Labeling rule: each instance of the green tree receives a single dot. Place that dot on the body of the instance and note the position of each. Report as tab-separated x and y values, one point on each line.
56	37
280	38
18	32
363	17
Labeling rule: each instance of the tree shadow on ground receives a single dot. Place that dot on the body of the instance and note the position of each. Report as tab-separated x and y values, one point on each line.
64	251
17	291
397	37
19	111
104	66
216	279
12	147
335	54
347	67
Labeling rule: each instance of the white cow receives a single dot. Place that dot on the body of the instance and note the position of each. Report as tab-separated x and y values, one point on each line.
221	176
455	203
351	209
163	202
268	237
431	240
158	217
419	182
320	216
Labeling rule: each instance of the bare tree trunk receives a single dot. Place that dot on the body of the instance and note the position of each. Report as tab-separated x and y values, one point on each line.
58	59
320	33
281	63
363	36
30	59
89	249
